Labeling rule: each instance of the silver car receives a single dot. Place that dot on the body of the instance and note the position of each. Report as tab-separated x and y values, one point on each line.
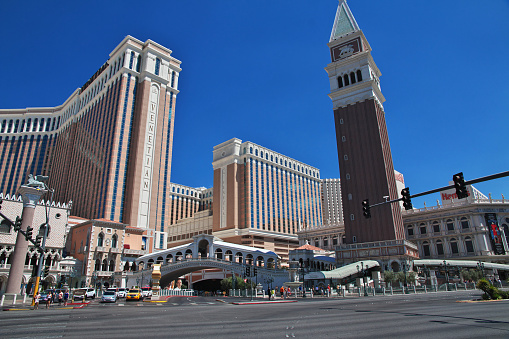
109	297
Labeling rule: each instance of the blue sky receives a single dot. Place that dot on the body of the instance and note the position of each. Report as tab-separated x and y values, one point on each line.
255	70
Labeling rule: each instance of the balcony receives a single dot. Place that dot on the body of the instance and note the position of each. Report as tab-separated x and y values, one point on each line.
115	250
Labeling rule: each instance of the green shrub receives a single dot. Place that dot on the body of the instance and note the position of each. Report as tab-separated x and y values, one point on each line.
483	285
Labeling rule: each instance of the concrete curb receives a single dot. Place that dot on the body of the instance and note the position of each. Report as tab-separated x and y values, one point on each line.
264	302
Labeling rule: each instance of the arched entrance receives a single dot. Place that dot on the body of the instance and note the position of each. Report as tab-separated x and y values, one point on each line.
203	248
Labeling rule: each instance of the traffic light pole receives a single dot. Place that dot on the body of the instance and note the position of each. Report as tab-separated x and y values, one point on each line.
41	262
469	182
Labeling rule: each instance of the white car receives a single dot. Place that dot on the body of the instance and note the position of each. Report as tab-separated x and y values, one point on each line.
146	292
122	292
89	293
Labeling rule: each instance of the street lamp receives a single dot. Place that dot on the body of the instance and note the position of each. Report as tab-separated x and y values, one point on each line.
446	267
405	267
94	279
364	270
303	272
480	267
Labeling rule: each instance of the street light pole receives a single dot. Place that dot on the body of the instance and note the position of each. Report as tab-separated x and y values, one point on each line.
446	266
405	269
480	267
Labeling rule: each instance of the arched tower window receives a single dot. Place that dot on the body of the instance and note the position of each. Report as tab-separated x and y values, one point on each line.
359	75
340	82
345	78
114	241
352	78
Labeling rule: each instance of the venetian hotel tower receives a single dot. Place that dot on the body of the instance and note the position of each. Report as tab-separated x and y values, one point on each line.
108	147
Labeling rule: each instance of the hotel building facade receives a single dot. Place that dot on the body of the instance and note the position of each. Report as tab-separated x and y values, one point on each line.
260	198
108	147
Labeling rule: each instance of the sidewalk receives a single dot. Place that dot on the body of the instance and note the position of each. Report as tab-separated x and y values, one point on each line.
27	306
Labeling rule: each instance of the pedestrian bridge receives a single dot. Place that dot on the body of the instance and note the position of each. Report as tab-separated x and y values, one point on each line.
206	252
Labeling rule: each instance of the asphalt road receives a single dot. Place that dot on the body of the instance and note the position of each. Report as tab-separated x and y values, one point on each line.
439	315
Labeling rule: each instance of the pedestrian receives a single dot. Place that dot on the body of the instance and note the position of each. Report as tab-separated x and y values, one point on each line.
36	301
268	292
60	298
66	297
282	291
48	299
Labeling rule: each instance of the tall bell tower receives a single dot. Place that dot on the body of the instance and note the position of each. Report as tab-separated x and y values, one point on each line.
364	153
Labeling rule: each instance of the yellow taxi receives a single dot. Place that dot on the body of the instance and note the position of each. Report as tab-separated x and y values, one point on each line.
134	294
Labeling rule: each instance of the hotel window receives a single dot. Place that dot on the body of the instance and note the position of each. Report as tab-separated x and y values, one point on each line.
464	223
454	246
340	82
158	65
138	64
436	227
410	230
450	225
131	60
359	75
440	247
425	249
469	245
422	228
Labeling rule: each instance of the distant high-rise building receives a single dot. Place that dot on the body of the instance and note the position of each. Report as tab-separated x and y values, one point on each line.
108	147
262	198
365	160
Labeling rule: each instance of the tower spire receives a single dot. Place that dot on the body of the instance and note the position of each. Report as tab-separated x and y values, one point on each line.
344	22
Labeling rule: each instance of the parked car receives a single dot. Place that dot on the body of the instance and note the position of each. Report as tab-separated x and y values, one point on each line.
90	293
109	296
79	294
134	294
147	292
122	292
113	289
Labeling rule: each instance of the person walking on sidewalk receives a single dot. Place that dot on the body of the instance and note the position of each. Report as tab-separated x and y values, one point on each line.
48	299
36	301
60	298
66	297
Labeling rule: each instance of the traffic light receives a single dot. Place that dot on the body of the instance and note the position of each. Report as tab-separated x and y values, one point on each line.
17	223
38	240
255	271
35	270
459	185
45	271
366	209
248	271
407	202
28	233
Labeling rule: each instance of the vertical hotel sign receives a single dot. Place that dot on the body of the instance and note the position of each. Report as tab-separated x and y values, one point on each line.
148	158
495	236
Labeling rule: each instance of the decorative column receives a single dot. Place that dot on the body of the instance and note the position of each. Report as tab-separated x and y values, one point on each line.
31	196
